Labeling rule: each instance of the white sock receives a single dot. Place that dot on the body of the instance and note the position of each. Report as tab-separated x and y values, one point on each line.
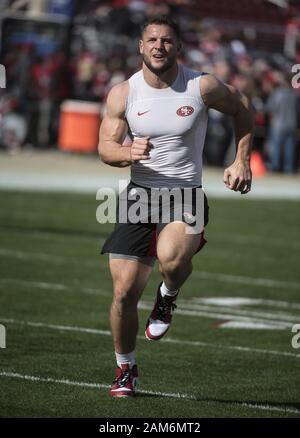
125	358
165	291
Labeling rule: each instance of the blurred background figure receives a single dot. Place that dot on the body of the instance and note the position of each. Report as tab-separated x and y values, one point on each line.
281	107
13	127
57	50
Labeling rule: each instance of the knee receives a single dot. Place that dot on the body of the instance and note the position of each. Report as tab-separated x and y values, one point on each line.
125	296
174	265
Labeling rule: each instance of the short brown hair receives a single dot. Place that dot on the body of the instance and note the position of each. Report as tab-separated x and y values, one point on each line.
162	20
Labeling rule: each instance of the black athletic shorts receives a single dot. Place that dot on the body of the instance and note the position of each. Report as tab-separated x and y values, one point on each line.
139	239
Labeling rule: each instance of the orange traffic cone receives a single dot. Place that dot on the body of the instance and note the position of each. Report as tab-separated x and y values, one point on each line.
257	165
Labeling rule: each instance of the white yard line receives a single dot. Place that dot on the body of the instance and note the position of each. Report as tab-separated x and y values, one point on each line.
236	238
165	340
190	305
222	254
255	319
215	276
248	325
244	301
57	327
40	256
239	279
55	286
259	240
282	325
46	235
281	321
256	406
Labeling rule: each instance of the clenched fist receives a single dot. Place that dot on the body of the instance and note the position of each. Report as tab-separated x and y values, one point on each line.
238	177
140	149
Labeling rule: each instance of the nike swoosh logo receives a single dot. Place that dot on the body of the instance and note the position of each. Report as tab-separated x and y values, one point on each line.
140	114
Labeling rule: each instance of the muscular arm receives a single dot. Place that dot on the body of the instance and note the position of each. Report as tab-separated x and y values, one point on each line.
228	100
113	131
114	128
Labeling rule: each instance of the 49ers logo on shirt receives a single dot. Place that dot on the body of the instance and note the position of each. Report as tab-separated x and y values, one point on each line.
184	111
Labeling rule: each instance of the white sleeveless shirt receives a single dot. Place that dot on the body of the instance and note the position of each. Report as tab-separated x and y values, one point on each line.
175	119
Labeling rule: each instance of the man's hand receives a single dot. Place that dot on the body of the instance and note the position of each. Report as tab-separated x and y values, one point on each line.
140	149
238	177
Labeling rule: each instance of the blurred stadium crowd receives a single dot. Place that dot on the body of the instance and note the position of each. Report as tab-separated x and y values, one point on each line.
65	49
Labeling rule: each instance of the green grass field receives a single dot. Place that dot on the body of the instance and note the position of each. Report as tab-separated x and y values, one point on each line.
55	293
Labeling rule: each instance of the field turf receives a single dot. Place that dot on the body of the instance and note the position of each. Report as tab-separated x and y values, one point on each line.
55	294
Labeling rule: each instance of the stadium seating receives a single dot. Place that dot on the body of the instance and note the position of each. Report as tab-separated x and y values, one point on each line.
259	11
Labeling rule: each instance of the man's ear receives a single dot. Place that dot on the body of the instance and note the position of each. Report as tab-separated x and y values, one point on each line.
141	46
179	48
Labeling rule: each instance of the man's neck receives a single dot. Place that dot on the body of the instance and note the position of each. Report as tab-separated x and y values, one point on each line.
163	80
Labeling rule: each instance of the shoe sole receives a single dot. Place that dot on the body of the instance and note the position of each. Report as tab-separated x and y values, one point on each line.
155	338
122	394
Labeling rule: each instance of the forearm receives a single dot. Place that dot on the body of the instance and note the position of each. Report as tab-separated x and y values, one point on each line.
244	131
114	154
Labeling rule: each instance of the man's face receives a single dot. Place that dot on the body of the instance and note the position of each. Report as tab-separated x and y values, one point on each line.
159	47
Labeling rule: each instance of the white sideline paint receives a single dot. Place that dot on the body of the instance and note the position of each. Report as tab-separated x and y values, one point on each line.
165	340
215	276
257	406
52	172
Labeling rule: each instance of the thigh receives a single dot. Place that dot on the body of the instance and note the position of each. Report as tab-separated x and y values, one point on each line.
174	242
129	275
183	238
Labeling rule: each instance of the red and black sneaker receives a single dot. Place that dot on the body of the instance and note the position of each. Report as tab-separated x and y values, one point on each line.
161	316
126	381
